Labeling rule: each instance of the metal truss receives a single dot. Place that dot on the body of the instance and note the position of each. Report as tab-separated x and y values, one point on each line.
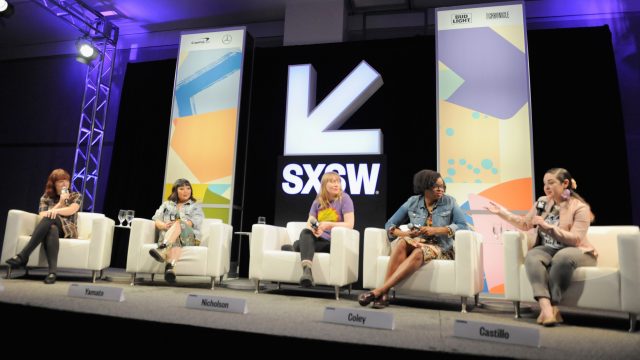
95	100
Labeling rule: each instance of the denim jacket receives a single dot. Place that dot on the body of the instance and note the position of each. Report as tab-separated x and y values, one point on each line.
446	213
191	211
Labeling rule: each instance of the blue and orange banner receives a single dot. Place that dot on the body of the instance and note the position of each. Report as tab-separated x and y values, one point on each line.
204	118
485	149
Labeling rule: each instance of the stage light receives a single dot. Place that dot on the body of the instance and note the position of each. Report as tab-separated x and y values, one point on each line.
86	51
6	9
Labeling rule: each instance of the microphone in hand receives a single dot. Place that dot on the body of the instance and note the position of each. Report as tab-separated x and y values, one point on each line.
540	205
64	190
314	223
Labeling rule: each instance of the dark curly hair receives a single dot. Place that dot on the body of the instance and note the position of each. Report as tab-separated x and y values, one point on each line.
425	180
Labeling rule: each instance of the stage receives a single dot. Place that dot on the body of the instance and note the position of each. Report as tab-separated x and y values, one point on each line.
293	315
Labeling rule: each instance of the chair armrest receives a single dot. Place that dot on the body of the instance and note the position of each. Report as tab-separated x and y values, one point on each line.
143	231
101	243
468	262
376	243
515	245
18	223
264	238
219	247
344	256
629	260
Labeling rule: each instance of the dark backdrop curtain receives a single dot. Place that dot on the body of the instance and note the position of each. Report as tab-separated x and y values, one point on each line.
577	117
140	146
574	91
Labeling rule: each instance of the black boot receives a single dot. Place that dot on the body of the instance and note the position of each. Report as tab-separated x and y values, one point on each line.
169	274
157	255
306	280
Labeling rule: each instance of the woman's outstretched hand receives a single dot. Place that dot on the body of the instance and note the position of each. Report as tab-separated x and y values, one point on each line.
495	208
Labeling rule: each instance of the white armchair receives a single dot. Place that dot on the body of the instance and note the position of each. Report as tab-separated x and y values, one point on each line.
268	263
613	284
210	259
90	251
462	277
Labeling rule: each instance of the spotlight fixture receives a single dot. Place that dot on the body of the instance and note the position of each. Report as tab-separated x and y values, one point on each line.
86	51
6	9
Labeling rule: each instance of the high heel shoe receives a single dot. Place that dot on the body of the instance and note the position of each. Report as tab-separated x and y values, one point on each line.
557	315
381	302
555	319
366	298
16	261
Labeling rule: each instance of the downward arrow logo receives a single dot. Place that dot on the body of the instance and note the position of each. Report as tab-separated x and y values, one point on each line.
313	130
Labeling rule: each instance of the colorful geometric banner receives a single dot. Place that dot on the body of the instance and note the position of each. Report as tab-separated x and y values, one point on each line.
484	118
204	118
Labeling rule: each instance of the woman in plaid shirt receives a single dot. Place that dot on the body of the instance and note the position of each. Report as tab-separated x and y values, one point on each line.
58	209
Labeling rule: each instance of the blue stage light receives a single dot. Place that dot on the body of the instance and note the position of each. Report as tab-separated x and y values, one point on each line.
87	52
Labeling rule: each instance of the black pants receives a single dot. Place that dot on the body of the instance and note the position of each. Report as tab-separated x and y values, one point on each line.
48	233
309	244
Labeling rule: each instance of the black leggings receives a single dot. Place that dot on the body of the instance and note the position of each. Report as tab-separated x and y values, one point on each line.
309	244
48	233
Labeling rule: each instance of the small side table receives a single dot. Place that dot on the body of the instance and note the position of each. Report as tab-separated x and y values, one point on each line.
119	249
120	246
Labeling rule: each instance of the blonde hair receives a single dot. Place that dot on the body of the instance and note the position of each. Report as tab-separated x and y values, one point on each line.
324	198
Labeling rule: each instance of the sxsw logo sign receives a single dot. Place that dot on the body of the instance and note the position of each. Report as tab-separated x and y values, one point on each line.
312	129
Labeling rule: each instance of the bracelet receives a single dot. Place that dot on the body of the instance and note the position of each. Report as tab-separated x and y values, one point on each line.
450	232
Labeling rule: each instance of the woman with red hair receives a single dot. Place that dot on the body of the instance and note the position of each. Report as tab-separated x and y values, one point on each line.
58	209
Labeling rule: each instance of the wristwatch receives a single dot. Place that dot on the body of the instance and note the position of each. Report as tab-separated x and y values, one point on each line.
450	232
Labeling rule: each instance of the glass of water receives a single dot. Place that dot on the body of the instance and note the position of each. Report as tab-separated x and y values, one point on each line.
262	220
497	231
121	215
130	215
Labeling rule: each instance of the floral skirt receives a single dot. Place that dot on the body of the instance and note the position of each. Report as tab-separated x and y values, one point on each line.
186	238
430	249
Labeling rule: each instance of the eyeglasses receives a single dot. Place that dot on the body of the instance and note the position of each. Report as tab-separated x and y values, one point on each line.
441	187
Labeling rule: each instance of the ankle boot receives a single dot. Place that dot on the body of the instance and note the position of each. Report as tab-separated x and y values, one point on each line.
306	280
169	274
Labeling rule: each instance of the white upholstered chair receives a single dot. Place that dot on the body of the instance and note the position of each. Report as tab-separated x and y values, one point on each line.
267	262
461	277
613	284
90	251
210	259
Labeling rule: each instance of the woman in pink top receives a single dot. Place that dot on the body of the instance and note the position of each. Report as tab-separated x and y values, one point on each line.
561	220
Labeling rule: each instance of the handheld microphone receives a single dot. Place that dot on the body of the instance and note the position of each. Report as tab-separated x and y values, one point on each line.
540	205
314	222
64	190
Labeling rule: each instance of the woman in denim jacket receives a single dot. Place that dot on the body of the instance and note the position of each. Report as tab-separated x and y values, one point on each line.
433	218
178	219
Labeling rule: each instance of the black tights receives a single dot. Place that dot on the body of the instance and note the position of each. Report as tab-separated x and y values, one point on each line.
309	244
48	233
